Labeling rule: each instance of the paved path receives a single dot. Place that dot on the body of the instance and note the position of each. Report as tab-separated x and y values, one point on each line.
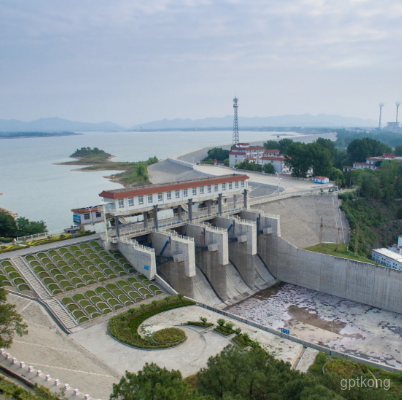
54	353
190	356
49	246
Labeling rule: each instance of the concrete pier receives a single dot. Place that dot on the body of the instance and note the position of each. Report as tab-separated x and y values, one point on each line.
242	245
212	255
175	260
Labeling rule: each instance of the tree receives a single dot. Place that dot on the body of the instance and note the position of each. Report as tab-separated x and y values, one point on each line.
297	157
217	153
283	144
152	383
10	321
271	145
320	159
268	168
360	149
327	144
8	226
398	151
337	176
27	227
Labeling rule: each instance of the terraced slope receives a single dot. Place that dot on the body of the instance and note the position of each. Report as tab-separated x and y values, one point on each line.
68	268
113	296
73	268
9	277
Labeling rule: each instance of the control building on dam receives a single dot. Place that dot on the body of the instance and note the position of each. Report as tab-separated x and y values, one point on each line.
218	251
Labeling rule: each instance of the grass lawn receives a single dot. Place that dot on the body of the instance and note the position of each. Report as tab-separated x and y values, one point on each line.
330	249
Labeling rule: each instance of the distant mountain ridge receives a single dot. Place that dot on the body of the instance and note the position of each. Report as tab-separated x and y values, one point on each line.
55	125
304	120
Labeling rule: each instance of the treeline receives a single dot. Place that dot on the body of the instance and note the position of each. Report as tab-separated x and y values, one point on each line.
218	154
253	374
391	139
137	172
88	152
12	228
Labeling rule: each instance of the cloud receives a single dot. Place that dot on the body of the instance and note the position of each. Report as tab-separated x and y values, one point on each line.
76	46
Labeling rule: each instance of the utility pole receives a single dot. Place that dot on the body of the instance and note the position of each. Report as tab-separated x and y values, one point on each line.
235	139
337	239
321	227
356	239
379	122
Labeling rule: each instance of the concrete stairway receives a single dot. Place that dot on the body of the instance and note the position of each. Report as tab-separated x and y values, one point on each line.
63	316
31	278
53	304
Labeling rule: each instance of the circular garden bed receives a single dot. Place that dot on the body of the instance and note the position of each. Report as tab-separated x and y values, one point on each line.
124	327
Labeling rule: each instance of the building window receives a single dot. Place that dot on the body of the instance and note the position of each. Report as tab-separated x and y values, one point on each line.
140	199
209	188
223	186
194	191
177	194
150	198
86	216
121	203
185	192
230	185
159	196
131	201
216	188
236	185
98	214
242	183
169	195
202	190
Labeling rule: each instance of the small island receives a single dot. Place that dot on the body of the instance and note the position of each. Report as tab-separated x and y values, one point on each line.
94	159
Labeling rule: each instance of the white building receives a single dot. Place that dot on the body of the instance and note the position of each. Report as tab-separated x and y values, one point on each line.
370	162
278	162
129	201
239	152
388	258
87	215
321	179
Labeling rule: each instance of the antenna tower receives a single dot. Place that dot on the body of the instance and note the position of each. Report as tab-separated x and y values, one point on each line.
397	110
381	106
235	139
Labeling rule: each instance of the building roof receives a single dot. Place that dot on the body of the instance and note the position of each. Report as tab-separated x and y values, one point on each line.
321	177
86	209
389	253
360	163
272	151
278	158
255	148
237	153
170	186
249	159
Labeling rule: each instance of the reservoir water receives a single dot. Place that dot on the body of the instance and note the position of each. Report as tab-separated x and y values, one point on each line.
34	187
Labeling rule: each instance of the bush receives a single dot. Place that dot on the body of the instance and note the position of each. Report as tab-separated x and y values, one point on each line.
169	336
221	322
124	327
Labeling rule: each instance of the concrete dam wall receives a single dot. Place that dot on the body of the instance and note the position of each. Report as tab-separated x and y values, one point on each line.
370	284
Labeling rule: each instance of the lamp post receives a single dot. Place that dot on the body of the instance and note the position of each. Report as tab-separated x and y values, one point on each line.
104	220
278	180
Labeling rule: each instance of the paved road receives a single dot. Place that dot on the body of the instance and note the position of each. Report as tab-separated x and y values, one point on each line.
288	184
45	247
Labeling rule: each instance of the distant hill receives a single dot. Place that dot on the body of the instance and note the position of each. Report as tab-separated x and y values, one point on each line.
305	120
55	125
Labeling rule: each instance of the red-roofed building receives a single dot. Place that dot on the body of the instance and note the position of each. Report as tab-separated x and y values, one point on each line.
321	179
241	151
128	201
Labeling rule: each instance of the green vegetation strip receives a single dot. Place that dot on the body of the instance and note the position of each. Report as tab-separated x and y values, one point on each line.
124	327
340	250
172	336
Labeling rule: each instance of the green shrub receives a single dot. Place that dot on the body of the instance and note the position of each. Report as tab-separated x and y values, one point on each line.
78	297
107	296
169	336
124	326
84	303
48	281
83	319
102	306
18	281
67	300
14	275
100	290
221	322
23	287
90	310
72	307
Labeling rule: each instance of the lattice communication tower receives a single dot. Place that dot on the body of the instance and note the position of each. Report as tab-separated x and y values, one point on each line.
235	139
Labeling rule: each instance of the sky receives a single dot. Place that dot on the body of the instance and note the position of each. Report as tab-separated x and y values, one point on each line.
135	61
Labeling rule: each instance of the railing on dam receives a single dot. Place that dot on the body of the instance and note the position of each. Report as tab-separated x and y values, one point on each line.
139	228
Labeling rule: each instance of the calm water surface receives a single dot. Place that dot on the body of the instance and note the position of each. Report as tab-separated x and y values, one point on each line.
32	186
